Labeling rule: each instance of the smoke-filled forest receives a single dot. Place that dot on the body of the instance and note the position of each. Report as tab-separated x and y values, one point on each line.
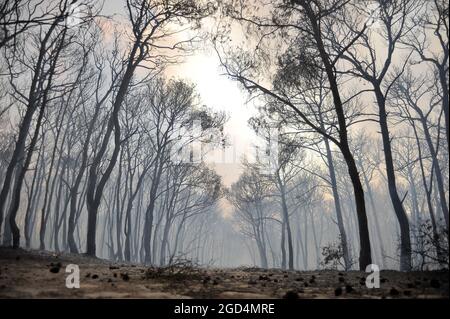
115	144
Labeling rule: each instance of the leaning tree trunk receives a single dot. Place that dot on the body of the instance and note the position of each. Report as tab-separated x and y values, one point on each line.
95	190
436	165
15	204
19	147
7	233
16	156
337	205
16	197
405	240
34	195
365	257
74	189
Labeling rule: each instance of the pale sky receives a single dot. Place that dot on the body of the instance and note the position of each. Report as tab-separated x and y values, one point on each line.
216	91
222	94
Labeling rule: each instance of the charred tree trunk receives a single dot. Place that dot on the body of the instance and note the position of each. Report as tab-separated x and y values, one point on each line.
34	196
365	257
375	213
436	165
405	240
148	221
286	221
443	78
16	202
24	127
337	206
94	187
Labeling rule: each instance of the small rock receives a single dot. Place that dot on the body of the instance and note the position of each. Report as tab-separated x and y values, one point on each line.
94	276
125	276
290	295
394	292
58	264
54	269
435	283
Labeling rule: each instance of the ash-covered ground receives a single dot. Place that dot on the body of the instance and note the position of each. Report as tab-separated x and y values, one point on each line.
41	274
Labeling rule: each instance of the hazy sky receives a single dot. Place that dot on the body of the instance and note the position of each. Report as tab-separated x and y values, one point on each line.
202	68
220	93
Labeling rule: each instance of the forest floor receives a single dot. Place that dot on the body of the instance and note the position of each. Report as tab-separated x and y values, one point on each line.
42	274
